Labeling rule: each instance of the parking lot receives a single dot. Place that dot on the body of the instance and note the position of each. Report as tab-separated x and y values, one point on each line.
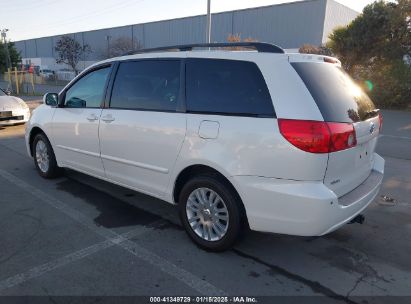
77	235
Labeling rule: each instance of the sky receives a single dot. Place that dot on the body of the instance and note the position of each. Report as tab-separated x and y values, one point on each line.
27	19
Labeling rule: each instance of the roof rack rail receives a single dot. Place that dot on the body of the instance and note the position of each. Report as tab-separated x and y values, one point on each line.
261	47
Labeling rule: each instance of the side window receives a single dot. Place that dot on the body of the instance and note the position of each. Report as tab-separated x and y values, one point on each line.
88	91
226	87
147	85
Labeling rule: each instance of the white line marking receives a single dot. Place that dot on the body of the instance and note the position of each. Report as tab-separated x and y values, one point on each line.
394	136
184	276
74	214
72	257
24	155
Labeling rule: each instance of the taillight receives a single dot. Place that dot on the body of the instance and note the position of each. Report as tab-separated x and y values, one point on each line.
309	136
380	120
342	136
318	136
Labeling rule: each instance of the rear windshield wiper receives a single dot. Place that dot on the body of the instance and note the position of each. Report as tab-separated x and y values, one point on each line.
372	113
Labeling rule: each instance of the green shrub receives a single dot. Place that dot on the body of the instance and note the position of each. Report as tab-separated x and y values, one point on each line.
390	84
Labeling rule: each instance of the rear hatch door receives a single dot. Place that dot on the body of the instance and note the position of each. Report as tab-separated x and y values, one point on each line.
340	99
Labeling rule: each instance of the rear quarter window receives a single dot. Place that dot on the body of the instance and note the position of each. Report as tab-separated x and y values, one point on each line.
227	87
337	96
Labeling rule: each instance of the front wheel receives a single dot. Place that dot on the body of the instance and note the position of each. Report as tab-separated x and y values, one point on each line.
44	158
210	212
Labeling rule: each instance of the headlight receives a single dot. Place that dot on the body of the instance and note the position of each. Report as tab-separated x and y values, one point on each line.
23	104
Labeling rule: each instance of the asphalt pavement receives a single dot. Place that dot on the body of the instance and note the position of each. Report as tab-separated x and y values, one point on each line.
79	236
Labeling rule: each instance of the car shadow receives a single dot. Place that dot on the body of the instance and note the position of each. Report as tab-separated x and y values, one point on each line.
113	212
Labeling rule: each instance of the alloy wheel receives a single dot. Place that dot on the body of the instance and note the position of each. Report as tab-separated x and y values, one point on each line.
207	214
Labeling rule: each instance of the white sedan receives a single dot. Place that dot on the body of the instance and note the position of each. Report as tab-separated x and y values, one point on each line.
13	110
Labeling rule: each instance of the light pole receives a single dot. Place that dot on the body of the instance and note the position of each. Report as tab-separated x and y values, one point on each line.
4	36
208	31
108	37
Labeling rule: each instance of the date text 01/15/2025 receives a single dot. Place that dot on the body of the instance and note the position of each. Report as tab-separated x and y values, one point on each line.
203	299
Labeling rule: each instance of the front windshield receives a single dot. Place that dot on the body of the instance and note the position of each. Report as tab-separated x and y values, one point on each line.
2	93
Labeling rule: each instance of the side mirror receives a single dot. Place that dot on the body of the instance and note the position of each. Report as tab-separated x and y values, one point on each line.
51	99
75	103
8	92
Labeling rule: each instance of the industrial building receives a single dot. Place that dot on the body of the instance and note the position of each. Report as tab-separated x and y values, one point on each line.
288	25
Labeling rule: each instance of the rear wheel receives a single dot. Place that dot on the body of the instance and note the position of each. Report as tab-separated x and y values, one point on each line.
210	212
44	158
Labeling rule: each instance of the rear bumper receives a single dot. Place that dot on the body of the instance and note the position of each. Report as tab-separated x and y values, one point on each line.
304	208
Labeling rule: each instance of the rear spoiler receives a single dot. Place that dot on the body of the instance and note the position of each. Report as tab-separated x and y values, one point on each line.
297	57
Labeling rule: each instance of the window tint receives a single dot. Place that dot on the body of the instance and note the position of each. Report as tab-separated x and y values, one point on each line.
147	85
226	87
337	96
88	91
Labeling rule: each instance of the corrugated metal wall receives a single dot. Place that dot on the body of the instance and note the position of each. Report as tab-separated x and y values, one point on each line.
336	15
288	25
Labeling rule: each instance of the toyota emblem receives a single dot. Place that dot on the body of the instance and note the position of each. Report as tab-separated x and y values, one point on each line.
372	127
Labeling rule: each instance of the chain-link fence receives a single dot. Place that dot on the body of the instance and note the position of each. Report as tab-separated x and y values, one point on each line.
21	82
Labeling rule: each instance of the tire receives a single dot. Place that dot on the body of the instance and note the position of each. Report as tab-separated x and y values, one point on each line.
190	200
44	158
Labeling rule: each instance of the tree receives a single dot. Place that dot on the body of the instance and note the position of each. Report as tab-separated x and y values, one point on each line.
237	38
372	48
382	32
121	46
341	44
15	56
312	49
70	51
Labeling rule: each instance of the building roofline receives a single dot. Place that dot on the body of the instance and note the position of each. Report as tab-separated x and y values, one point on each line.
336	1
180	18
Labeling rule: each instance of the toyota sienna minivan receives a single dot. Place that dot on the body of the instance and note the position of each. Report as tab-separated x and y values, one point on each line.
244	137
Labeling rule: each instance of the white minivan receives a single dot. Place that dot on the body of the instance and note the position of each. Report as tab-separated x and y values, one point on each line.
237	135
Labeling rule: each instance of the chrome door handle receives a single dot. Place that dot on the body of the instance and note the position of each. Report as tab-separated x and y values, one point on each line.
92	117
108	118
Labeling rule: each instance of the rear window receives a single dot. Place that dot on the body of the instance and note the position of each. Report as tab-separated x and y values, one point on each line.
336	94
227	87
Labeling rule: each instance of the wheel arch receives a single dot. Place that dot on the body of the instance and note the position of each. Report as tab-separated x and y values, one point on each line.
33	132
198	169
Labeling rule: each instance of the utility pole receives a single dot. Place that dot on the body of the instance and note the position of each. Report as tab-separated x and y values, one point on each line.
4	36
108	37
208	31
